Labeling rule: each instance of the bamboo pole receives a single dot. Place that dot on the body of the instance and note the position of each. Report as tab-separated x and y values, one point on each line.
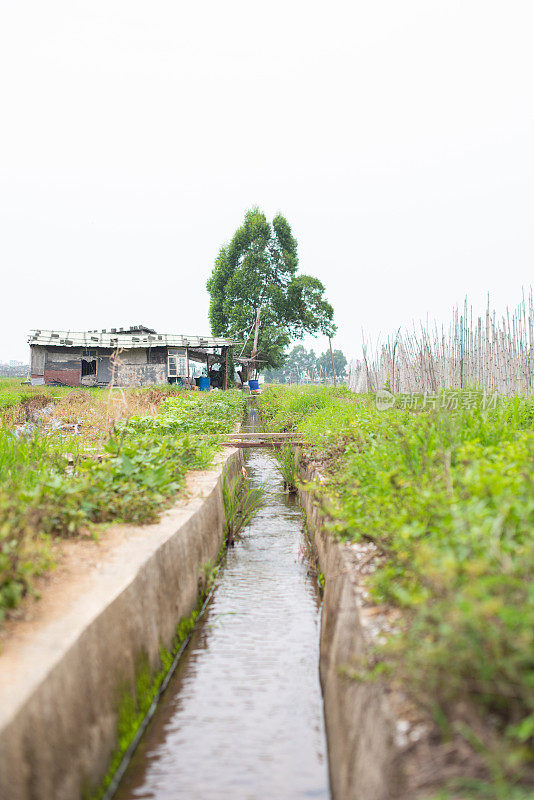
332	359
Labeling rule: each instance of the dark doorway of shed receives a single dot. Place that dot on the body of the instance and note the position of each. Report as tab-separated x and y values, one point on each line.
88	367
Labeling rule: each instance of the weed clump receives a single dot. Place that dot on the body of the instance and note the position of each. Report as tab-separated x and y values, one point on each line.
288	465
241	504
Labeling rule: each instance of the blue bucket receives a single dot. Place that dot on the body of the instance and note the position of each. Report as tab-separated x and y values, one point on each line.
254	386
204	384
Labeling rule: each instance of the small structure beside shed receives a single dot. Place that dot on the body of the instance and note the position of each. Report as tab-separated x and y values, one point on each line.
135	356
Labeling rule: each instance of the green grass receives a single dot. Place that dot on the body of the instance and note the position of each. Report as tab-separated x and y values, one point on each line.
144	464
448	498
12	392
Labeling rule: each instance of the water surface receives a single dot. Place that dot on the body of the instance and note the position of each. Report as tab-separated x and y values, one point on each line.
242	717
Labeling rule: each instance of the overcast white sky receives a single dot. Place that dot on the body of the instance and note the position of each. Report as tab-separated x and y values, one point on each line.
396	136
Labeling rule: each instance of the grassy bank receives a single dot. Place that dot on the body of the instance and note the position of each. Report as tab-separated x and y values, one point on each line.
13	393
127	462
445	490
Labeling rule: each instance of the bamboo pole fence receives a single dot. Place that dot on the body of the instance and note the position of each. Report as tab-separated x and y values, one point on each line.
486	353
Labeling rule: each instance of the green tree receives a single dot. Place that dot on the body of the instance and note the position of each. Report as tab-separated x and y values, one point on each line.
256	296
324	363
297	363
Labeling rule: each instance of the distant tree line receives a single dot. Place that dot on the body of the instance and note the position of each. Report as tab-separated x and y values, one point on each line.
14	370
301	364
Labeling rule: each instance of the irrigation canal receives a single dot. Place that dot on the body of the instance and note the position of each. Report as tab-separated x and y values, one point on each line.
242	717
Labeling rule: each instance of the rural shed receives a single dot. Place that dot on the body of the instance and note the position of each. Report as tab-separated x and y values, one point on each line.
135	356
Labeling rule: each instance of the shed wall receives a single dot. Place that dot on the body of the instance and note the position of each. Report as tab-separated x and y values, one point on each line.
37	361
63	366
134	356
141	374
157	355
136	367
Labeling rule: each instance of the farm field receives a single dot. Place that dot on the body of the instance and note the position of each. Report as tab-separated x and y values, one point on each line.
72	461
442	494
435	493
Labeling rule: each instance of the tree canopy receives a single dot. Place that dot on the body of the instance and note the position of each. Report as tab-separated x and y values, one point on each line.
324	364
255	289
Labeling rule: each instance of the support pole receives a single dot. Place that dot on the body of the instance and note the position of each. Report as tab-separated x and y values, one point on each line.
332	358
225	379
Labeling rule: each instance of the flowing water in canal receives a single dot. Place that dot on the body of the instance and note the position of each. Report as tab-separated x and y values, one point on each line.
242	716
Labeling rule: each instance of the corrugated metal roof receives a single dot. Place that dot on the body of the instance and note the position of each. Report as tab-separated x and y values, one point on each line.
126	340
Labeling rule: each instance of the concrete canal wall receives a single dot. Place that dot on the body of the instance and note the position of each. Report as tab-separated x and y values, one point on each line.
60	683
364	758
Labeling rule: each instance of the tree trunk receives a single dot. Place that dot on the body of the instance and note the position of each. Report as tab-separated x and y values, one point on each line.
256	333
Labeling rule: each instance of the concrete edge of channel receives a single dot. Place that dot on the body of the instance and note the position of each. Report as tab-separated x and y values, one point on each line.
364	758
58	702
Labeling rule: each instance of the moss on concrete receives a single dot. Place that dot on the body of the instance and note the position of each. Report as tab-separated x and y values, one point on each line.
133	706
